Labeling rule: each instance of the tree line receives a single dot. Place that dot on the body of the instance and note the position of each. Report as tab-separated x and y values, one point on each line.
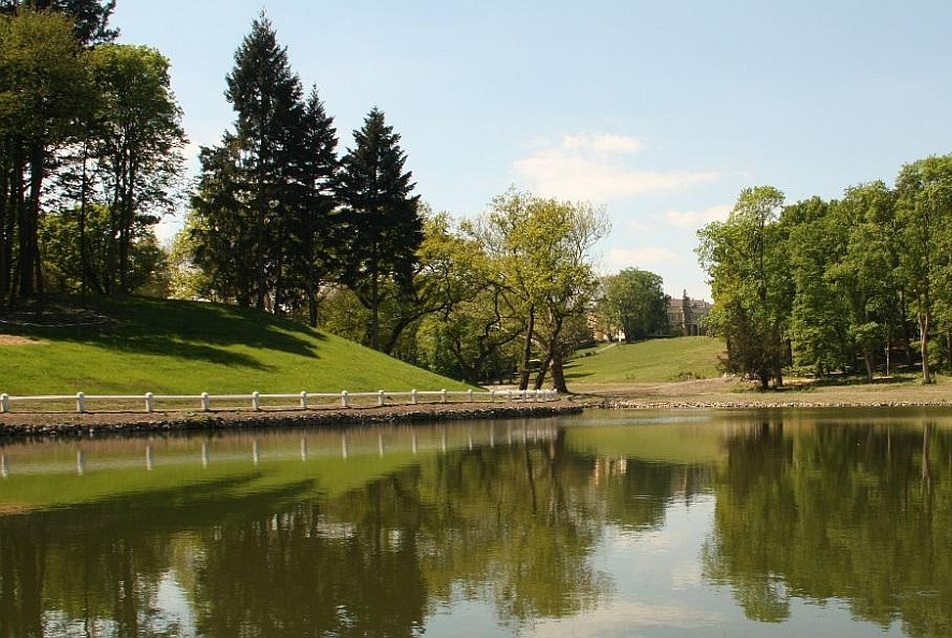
859	283
91	154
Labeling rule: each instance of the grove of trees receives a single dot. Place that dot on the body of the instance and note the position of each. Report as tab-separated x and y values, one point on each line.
90	152
281	223
836	286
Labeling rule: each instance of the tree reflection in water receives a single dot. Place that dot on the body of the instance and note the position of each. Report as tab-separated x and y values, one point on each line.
851	511
817	511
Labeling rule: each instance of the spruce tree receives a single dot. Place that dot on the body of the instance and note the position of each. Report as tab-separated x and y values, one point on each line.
315	166
266	96
380	222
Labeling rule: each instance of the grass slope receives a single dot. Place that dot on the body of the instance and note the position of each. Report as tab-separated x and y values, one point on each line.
180	347
653	361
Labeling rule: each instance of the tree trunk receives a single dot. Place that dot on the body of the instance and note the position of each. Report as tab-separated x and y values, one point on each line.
543	371
375	310
29	227
888	354
924	341
527	351
558	373
869	358
311	301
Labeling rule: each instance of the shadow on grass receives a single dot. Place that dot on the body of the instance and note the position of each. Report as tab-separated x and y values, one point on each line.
188	330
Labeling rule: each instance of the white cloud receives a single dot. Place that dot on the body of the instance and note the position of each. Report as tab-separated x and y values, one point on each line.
692	220
592	167
637	227
624	617
605	144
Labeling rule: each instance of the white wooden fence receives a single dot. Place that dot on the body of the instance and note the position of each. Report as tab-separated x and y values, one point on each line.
301	400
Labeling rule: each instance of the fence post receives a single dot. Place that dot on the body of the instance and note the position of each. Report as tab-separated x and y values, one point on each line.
344	399
80	402
443	395
304	399
206	402
148	401
380	398
469	397
4	402
413	396
256	400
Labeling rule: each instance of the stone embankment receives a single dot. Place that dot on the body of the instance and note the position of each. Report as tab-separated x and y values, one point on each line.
103	423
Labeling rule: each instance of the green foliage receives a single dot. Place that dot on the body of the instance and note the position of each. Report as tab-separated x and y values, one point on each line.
81	128
191	347
843	285
747	261
67	259
539	256
90	18
925	220
137	141
44	93
634	301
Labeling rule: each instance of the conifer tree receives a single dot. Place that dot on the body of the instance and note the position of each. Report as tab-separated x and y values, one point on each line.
316	168
267	98
380	221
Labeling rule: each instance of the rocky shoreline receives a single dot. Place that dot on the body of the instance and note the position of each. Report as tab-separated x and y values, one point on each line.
25	424
671	397
766	405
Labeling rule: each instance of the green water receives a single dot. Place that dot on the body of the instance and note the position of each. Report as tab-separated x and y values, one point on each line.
604	524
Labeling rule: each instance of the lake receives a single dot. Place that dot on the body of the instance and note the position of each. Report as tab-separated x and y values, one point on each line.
609	523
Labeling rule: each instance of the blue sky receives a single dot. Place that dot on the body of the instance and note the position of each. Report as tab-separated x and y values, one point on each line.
660	112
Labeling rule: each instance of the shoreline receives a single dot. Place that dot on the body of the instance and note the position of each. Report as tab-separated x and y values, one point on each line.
16	425
703	394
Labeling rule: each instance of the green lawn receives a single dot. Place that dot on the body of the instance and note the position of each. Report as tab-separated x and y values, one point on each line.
653	361
179	347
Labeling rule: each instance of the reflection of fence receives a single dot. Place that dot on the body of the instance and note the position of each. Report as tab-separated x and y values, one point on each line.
259	401
88	456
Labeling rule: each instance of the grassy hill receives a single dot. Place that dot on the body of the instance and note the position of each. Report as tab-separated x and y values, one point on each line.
652	361
178	347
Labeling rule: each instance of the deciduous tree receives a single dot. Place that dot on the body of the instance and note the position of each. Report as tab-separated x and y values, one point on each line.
925	219
635	301
541	249
745	258
138	141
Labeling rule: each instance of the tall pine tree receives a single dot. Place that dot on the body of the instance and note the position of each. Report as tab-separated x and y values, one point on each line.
315	165
267	99
381	224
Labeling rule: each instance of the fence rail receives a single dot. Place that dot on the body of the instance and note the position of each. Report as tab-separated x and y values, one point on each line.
301	400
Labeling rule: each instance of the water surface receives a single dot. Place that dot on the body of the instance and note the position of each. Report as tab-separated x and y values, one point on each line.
774	523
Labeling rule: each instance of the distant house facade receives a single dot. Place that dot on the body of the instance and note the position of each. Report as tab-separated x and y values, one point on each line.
688	317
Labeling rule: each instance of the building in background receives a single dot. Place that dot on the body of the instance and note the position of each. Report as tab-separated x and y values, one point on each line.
688	317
